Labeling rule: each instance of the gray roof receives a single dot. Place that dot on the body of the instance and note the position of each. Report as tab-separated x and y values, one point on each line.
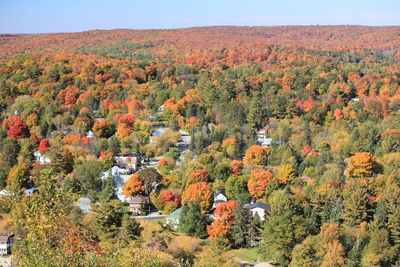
259	204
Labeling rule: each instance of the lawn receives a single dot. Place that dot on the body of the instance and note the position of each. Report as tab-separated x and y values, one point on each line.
246	254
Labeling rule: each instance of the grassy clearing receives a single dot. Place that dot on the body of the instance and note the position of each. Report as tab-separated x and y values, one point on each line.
246	254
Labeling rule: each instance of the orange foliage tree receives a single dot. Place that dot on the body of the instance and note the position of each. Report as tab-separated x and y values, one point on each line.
257	155
224	213
126	125
200	191
258	182
167	200
237	167
133	186
197	176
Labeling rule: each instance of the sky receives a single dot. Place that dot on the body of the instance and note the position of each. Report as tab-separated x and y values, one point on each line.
48	16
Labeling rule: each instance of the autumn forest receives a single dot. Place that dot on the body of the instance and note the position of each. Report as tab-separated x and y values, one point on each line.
203	146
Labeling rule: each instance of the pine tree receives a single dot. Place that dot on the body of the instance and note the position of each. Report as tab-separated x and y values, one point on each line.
131	227
107	193
393	203
108	218
379	252
356	206
192	221
243	230
256	112
284	228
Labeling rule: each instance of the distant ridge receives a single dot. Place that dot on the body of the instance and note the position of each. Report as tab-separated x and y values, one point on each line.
335	37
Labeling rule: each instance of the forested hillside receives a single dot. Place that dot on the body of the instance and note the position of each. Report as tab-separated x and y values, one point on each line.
304	120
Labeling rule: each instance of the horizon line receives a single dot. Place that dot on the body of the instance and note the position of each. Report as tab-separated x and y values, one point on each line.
199	26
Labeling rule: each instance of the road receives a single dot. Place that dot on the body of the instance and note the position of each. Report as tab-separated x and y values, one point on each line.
154	216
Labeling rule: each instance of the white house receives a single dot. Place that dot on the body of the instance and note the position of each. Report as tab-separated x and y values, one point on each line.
120	177
258	208
90	134
219	197
42	159
262	138
6	242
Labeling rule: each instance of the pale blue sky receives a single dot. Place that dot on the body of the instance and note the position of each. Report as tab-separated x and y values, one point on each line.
42	16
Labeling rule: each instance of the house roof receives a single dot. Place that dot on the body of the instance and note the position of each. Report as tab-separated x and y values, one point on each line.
219	192
176	214
259	204
4	238
126	160
138	199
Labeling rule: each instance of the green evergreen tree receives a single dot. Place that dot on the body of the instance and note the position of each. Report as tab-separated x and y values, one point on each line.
192	221
243	230
392	194
356	206
130	226
108	191
256	113
285	227
108	218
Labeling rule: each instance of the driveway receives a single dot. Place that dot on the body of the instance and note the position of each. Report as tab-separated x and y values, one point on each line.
5	261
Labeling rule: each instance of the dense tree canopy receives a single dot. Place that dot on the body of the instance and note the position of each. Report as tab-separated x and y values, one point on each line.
302	118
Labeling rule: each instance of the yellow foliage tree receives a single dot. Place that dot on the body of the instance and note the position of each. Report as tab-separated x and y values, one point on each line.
362	164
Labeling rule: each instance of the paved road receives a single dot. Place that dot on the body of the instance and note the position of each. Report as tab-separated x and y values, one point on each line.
151	218
154	216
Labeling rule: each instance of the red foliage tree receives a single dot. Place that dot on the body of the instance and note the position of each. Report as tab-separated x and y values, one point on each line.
44	146
17	129
224	213
237	167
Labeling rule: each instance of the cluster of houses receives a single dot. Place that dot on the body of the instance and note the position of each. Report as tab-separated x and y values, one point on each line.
259	209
